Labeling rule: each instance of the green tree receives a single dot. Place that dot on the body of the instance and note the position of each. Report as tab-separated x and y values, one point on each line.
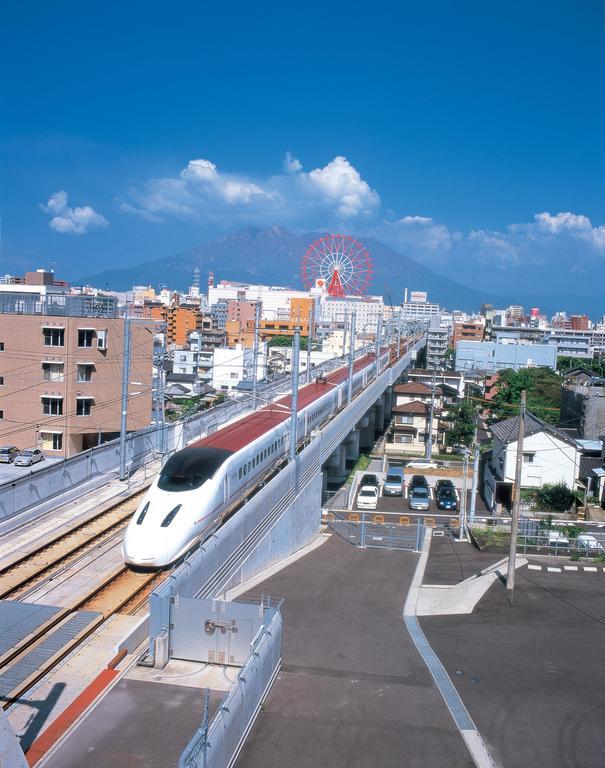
462	431
286	341
543	388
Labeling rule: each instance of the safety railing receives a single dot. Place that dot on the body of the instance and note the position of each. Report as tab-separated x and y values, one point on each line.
384	530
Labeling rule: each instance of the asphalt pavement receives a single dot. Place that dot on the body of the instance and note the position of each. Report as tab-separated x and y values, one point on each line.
529	673
353	691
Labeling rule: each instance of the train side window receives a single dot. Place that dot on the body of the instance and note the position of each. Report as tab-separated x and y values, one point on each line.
249	466
240	473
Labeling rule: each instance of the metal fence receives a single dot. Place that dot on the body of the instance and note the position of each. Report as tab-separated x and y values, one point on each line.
382	530
219	744
556	543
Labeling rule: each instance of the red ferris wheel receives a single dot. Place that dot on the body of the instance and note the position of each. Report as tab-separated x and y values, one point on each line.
338	262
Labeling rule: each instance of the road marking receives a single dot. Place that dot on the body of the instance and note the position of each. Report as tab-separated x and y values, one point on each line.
467	728
591	568
570	567
553	570
535	567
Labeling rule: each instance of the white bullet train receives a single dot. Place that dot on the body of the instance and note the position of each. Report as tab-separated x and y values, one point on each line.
202	484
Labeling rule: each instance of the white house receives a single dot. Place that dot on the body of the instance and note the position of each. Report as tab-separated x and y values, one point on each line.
233	365
549	456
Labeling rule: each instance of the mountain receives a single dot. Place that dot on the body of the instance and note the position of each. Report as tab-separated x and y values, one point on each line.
273	257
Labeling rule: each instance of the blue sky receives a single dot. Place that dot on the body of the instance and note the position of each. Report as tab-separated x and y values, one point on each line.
464	133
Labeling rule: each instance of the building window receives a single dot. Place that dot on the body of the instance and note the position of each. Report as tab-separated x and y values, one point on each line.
405	420
52	406
101	339
84	406
1	346
85	372
1	381
52	371
85	337
403	438
233	375
528	458
51	441
1	414
54	337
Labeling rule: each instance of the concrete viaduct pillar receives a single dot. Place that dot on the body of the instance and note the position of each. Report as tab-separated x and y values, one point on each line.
352	445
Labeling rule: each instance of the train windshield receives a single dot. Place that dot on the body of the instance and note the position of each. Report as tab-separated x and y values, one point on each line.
190	468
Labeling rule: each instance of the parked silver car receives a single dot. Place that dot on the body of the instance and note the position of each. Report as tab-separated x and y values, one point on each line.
8	454
28	457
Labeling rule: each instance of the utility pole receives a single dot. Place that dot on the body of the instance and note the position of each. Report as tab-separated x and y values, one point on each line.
309	337
294	401
475	472
512	554
255	353
378	342
429	437
351	358
124	414
462	524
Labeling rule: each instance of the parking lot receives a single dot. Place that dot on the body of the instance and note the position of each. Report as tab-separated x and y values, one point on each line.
9	472
398	505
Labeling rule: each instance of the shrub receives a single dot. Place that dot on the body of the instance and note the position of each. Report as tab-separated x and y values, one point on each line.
555	496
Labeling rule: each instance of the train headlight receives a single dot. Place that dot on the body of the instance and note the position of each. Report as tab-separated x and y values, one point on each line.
170	516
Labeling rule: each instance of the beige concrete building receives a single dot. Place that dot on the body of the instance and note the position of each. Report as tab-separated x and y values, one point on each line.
61	359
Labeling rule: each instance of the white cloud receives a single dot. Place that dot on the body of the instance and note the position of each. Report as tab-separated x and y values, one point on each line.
291	164
333	193
417	235
341	183
75	221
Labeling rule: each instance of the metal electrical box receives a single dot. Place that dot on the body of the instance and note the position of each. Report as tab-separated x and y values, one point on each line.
215	631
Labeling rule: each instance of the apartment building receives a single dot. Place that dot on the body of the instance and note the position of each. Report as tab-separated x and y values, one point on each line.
61	359
180	320
468	331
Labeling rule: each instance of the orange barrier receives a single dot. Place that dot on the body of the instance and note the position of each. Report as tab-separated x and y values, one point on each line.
454	521
429	522
378	518
353	517
404	520
330	516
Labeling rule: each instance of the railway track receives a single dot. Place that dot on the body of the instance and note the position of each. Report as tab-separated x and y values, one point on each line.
69	552
65	546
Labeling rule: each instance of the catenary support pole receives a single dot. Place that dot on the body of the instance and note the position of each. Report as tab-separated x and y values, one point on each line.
309	343
351	358
399	335
294	404
255	353
512	553
162	409
124	412
378	344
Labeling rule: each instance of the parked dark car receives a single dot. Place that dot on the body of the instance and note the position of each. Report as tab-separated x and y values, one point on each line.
369	480
440	484
8	453
446	499
417	481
